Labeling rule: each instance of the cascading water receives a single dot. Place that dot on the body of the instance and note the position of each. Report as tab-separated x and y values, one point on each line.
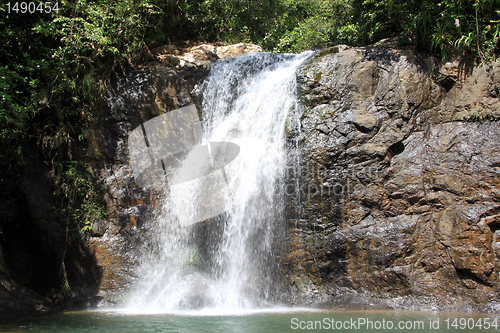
231	261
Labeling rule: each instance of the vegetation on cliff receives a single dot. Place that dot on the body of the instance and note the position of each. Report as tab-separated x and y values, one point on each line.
54	66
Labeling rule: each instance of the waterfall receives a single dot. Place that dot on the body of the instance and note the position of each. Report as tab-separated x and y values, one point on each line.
230	261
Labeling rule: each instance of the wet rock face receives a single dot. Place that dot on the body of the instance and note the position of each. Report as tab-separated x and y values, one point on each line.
134	98
397	205
17	300
398	202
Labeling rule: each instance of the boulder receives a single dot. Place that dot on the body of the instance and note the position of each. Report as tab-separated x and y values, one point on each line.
200	55
236	50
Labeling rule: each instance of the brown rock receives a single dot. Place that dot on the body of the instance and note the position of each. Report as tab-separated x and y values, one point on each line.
236	50
424	223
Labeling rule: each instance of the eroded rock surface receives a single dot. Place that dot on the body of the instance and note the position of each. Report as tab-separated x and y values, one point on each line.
399	204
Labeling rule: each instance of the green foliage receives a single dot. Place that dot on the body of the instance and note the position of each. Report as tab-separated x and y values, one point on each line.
466	28
379	19
54	67
470	28
479	113
216	20
65	287
79	195
321	26
53	70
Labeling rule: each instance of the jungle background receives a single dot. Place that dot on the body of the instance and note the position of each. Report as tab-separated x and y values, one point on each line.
55	67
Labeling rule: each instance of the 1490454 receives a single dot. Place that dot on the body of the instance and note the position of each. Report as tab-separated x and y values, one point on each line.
32	7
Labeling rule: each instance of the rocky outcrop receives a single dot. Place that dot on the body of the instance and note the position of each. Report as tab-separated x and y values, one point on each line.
400	196
201	55
398	203
16	300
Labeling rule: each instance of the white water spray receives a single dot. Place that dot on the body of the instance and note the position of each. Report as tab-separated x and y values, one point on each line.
228	262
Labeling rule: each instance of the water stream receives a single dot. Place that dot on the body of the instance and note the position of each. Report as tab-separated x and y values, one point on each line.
230	261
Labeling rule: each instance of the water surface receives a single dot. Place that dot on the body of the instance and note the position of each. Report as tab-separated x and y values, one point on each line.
255	321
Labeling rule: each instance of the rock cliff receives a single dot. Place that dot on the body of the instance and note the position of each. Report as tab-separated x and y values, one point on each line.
399	203
396	198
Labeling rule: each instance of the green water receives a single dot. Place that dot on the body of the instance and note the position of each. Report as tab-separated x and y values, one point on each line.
272	321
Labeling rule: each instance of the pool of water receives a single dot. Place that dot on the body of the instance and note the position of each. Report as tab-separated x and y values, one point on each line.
258	321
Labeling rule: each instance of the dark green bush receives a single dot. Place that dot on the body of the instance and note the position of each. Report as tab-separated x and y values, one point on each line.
53	70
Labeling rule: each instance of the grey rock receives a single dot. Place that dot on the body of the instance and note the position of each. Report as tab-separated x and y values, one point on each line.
418	210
